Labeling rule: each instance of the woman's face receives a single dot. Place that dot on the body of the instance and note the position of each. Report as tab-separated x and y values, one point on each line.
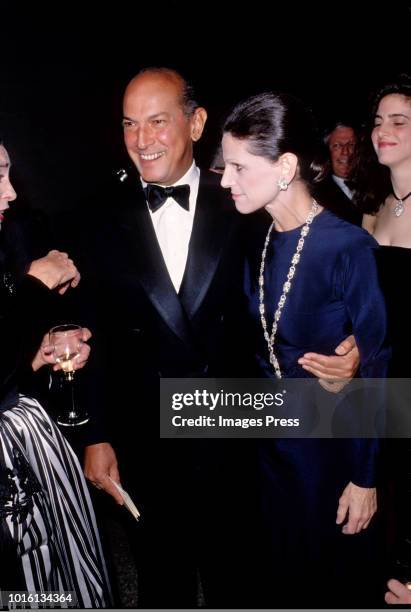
251	178
7	193
391	135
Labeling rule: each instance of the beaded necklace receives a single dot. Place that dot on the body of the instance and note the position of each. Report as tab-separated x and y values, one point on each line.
269	338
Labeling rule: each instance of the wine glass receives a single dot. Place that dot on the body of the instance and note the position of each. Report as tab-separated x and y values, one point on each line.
66	341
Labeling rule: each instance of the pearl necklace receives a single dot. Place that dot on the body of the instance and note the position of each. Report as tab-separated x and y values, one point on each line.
286	287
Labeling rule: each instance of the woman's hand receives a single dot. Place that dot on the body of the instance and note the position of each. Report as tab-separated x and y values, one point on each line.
45	354
56	270
334	368
399	593
358	504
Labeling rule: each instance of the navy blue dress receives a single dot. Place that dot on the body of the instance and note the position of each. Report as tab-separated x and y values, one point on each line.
335	292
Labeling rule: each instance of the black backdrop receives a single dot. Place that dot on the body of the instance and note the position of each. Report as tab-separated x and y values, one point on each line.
63	71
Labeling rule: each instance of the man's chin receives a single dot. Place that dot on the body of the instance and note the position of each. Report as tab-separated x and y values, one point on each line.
151	177
342	175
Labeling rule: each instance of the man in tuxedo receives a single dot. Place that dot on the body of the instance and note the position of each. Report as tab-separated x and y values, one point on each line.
334	191
163	260
165	266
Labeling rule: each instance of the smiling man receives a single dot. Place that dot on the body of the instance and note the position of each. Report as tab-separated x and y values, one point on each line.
334	190
341	143
164	267
160	124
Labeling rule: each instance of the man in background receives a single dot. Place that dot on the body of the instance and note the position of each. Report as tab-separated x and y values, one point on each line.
334	190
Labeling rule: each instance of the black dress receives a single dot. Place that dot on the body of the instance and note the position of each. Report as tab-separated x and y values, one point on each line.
394	264
48	533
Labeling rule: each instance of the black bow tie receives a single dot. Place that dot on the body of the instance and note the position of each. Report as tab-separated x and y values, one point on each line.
157	195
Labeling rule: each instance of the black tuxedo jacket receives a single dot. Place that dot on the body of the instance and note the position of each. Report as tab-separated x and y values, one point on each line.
188	491
328	194
143	330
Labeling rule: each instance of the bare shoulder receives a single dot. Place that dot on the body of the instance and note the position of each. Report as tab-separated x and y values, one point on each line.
393	228
369	222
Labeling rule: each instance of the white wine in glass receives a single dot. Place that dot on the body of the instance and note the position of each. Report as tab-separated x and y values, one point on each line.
67	341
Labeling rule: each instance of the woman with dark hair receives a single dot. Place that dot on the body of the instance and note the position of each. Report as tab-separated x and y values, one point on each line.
383	188
48	535
305	291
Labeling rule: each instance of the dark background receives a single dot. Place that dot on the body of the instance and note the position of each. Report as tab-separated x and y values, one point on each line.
64	70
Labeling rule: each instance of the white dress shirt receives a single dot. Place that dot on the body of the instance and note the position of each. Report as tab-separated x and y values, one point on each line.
173	225
343	186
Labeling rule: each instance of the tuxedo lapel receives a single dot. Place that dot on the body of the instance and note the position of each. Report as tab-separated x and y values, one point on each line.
148	263
210	230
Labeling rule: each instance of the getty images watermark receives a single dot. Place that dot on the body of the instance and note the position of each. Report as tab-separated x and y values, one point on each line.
205	399
267	408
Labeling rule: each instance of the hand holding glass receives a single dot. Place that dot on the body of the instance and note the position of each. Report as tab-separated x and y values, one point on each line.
67	341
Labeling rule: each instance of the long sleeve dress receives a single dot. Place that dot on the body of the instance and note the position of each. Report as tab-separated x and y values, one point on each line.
335	292
48	534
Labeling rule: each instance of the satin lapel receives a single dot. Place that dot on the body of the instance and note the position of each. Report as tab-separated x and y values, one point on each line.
210	231
151	269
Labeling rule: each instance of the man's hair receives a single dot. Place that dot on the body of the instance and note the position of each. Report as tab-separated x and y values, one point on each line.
188	95
338	124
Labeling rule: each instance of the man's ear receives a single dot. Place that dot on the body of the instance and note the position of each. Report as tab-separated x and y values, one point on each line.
197	123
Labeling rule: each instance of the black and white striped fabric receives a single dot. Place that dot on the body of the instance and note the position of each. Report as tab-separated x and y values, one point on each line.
48	509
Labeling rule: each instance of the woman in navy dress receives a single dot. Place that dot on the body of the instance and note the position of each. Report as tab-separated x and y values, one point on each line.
309	284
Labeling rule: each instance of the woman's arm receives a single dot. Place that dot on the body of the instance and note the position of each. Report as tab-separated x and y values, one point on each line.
365	305
22	327
27	315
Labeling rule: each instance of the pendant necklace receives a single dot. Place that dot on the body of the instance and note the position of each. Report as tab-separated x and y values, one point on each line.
399	207
269	338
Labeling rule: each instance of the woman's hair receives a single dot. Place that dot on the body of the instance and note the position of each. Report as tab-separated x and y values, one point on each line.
276	123
371	180
400	85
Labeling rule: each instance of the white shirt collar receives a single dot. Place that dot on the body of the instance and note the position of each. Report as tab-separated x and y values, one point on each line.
343	186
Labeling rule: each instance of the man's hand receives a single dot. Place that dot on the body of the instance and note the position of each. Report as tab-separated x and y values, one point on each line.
100	462
334	368
56	270
399	593
359	504
45	354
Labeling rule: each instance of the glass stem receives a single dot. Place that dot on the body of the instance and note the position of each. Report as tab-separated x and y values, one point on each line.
73	406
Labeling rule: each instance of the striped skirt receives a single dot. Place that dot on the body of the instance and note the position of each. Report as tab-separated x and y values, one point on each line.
46	508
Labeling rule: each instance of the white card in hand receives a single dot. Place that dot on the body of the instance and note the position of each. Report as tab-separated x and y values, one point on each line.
128	502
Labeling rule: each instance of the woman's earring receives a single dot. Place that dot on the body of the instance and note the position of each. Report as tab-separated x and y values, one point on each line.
282	183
